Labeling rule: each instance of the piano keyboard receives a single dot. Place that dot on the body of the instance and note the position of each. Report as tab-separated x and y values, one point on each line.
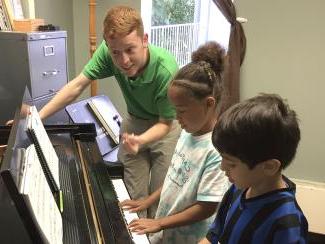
122	194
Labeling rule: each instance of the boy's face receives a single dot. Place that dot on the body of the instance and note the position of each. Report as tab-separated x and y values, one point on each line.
240	174
129	53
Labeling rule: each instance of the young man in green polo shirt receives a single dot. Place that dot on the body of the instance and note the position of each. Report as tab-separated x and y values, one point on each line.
143	71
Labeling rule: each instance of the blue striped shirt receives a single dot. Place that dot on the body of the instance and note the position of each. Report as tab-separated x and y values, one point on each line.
274	217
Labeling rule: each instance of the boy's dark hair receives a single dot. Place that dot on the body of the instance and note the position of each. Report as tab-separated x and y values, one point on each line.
258	129
202	77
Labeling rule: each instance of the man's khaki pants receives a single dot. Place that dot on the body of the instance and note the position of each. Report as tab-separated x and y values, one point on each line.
145	172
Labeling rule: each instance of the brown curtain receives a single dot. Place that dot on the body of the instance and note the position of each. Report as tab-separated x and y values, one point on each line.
236	53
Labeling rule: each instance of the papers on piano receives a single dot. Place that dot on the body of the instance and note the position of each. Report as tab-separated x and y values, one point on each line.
45	151
108	118
39	198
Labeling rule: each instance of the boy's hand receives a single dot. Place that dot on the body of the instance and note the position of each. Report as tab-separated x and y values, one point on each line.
131	143
143	226
134	205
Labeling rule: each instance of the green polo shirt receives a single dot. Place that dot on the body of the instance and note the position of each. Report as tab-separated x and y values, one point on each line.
145	96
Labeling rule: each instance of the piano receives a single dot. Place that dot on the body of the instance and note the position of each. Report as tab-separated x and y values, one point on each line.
91	189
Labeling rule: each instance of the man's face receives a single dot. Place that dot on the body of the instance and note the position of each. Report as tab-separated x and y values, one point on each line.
129	53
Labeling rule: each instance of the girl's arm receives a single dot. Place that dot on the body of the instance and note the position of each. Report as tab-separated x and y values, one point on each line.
195	213
141	204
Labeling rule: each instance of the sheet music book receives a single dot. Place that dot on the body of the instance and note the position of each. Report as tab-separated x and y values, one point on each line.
80	112
39	198
44	148
106	117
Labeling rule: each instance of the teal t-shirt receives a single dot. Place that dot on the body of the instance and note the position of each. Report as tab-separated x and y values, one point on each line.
145	96
193	175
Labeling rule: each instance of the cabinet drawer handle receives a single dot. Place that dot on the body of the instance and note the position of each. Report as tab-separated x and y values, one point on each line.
50	72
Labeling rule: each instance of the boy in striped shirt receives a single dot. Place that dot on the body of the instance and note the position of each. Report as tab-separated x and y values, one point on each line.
257	139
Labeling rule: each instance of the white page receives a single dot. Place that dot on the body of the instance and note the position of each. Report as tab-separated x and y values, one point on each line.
40	198
35	123
107	114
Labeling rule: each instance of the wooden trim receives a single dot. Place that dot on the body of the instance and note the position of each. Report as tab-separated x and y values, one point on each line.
90	197
92	39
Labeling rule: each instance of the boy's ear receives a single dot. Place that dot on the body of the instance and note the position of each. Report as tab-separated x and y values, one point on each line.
271	167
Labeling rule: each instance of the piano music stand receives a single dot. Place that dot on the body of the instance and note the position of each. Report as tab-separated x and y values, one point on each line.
80	112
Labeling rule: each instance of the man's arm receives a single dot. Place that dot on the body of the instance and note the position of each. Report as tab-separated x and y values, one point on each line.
133	142
65	96
156	132
195	213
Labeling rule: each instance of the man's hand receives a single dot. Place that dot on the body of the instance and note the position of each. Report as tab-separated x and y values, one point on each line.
143	226
2	151
131	143
9	122
134	205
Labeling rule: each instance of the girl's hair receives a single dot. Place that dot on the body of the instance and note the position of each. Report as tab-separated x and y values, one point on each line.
120	21
203	76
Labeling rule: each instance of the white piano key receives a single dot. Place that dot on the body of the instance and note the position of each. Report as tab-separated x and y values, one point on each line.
122	194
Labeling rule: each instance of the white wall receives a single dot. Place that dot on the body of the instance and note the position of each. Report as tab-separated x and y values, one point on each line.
286	55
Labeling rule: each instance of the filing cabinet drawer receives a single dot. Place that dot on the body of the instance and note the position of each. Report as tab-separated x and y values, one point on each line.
48	59
37	60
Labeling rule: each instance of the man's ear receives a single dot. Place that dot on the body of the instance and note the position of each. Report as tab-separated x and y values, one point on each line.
271	166
145	40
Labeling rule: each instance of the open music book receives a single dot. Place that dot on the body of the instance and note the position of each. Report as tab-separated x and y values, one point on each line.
39	198
105	114
81	112
44	148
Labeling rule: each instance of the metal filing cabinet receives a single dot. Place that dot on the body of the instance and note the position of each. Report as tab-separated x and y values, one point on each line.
37	60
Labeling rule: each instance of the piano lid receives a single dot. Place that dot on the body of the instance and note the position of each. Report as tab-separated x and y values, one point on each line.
11	220
18	139
10	98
